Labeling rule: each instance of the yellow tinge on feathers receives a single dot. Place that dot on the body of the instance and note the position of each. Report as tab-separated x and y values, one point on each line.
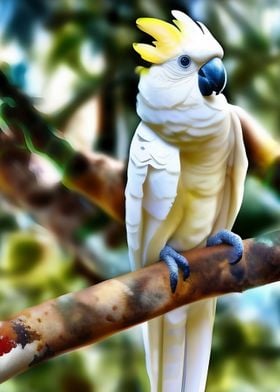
170	39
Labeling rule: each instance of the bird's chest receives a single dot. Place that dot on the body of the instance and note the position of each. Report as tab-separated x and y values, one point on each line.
200	195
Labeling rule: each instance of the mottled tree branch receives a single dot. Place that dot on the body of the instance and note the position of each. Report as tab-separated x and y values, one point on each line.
85	317
100	178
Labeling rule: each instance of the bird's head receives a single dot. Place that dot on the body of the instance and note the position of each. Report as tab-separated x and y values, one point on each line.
182	53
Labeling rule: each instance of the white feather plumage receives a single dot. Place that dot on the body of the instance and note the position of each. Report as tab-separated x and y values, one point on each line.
186	174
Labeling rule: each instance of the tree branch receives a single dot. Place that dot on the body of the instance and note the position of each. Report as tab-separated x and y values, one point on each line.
85	317
262	150
63	212
98	177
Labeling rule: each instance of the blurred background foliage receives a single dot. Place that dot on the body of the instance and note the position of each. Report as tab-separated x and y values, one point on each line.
74	60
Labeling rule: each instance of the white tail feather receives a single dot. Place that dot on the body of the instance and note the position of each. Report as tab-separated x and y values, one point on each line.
178	348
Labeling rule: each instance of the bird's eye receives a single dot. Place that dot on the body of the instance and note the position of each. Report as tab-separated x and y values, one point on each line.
184	61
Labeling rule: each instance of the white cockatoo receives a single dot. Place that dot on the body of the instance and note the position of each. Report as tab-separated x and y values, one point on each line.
186	175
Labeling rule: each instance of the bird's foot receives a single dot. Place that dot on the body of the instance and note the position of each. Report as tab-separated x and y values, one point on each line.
229	238
174	261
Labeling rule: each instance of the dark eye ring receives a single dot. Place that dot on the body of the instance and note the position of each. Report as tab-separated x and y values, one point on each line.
184	61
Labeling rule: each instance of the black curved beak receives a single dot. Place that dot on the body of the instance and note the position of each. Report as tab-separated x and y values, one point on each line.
212	77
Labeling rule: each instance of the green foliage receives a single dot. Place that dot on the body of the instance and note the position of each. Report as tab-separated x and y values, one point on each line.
244	356
22	255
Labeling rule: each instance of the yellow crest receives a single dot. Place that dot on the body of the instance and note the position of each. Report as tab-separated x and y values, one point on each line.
169	38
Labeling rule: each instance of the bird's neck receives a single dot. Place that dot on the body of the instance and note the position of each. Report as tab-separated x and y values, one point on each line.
203	120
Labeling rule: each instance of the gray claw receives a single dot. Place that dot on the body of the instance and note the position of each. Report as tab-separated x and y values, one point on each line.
229	238
174	261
